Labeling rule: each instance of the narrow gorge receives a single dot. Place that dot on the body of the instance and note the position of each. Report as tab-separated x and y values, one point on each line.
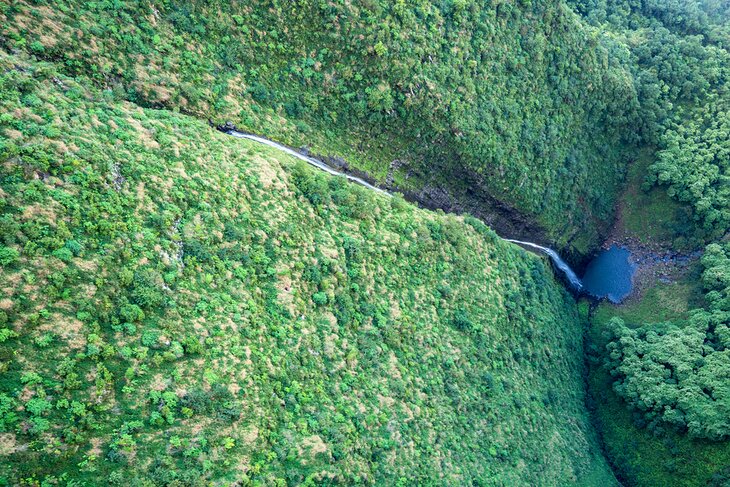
500	257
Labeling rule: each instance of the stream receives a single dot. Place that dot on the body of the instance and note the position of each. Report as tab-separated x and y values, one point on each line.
563	266
314	162
573	280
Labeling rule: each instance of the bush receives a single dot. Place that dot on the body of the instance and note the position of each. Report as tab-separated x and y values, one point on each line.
461	321
8	256
74	246
319	298
63	254
131	313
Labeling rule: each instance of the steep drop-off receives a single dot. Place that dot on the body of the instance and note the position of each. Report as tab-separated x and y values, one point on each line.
179	306
511	106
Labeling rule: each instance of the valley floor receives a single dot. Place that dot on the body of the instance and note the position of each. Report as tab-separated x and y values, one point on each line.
667	285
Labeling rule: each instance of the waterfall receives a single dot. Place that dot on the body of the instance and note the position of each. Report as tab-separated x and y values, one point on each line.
574	281
318	164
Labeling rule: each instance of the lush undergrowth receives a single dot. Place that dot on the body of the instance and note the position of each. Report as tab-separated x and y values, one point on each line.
519	101
667	353
644	457
180	307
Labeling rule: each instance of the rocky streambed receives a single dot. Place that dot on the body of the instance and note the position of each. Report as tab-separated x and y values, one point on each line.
650	263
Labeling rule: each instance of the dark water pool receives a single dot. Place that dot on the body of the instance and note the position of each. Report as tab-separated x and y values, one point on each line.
609	275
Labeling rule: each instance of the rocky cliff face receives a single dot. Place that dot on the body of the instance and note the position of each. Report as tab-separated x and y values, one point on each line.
504	219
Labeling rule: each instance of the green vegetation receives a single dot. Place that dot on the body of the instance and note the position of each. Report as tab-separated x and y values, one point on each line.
680	63
660	426
676	376
643	456
521	102
651	215
694	165
180	307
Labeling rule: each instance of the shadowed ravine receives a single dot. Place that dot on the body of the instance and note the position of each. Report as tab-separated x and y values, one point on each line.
572	279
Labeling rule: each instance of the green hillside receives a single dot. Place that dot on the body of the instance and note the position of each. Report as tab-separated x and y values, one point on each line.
179	307
659	375
182	307
519	103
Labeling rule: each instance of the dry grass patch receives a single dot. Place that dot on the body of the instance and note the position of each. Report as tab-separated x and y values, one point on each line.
8	444
68	328
310	447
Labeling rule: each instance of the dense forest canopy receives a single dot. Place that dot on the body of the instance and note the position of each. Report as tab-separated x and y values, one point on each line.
518	101
178	307
680	376
681	64
671	372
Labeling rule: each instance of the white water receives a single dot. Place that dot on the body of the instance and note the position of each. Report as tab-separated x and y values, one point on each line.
318	164
559	263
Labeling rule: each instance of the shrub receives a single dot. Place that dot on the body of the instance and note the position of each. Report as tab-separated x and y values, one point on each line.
461	320
131	313
63	254
74	246
319	298
8	256
6	334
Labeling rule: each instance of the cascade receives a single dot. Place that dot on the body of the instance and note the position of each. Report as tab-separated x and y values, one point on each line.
573	279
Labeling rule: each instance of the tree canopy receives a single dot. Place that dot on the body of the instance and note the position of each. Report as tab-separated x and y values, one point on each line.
679	376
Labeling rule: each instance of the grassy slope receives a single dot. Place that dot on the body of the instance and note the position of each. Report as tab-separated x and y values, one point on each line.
648	216
189	307
523	98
